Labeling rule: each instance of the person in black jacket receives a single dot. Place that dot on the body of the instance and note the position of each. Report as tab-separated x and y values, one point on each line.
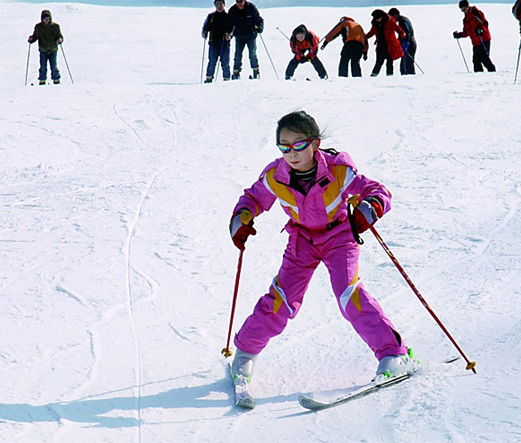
244	23
408	43
49	36
215	26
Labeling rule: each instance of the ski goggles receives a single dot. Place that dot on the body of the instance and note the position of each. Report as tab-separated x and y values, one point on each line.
297	146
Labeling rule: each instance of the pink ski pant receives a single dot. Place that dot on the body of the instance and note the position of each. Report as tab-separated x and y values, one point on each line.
340	255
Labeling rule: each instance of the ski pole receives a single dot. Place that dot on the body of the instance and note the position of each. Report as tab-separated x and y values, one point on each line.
470	364
202	60
66	64
414	61
269	56
278	29
27	65
460	50
226	351
517	66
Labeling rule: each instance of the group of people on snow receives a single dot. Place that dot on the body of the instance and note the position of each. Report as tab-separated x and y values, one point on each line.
393	32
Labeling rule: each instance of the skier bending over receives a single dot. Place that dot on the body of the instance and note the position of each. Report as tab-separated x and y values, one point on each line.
313	187
304	44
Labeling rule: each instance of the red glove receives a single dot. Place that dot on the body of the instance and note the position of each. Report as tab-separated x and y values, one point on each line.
366	213
241	227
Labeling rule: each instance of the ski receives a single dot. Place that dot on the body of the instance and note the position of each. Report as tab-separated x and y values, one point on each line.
243	397
316	403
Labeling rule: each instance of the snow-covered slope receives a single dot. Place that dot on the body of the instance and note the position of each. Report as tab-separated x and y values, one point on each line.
117	269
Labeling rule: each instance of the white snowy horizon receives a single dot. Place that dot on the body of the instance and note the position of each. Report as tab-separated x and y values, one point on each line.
117	269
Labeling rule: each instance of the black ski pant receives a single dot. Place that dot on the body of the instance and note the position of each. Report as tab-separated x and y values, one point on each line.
407	64
382	57
317	64
481	57
351	52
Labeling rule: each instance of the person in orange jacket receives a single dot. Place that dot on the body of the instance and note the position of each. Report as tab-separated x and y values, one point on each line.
388	47
355	45
475	26
304	44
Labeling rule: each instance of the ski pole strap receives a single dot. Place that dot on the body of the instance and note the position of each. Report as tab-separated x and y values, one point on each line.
352	203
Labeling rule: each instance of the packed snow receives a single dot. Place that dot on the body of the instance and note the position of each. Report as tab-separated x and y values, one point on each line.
118	270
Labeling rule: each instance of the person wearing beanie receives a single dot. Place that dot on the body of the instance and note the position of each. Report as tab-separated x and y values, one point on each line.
355	46
408	43
215	27
388	48
475	26
49	36
304	44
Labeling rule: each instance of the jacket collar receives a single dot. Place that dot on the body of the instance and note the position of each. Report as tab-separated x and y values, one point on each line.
282	173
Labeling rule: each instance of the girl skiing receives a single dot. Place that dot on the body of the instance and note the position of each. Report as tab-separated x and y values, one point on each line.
313	187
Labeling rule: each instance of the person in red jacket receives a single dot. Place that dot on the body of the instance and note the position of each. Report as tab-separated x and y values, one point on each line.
304	44
388	47
355	45
475	26
516	10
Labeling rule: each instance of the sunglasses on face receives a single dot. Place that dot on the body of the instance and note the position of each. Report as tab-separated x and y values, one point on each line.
297	146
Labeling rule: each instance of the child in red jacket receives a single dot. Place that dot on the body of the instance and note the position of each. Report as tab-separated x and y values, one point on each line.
304	45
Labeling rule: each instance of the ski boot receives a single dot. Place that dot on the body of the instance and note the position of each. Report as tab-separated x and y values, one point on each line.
226	79
242	371
256	73
57	81
236	74
396	365
208	80
42	82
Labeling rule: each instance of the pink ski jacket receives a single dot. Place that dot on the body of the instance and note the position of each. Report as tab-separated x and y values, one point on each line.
326	202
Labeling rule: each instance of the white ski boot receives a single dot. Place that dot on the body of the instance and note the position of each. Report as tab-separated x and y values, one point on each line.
396	366
242	371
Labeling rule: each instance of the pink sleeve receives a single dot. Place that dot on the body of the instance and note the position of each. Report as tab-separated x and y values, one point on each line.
257	198
370	188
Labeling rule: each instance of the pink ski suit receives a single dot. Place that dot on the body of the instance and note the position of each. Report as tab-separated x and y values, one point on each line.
319	230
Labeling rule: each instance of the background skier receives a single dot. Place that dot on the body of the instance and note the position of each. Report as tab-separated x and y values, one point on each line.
244	23
304	44
355	45
516	10
408	43
215	25
388	48
475	26
49	36
313	187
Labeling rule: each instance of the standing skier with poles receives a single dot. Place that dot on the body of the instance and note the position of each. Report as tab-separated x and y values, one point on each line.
475	26
408	43
219	42
49	36
355	46
313	187
304	44
245	23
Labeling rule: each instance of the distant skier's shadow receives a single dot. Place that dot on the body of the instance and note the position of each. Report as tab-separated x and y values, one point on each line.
95	411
